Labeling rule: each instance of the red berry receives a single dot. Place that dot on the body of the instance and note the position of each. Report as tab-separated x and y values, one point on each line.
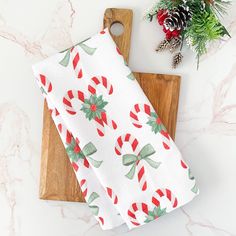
77	149
176	33
161	16
158	121
93	107
168	35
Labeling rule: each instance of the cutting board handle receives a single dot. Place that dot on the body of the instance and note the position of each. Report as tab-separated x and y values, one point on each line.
124	17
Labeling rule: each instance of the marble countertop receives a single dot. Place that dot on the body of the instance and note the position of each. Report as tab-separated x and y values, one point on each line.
206	129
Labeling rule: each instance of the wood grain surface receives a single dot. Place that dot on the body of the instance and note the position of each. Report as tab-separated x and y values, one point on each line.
57	178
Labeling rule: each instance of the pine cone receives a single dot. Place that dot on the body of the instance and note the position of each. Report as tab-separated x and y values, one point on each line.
178	18
177	59
163	45
175	44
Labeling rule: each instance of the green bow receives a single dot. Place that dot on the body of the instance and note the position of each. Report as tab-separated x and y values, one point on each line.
131	159
88	150
94	208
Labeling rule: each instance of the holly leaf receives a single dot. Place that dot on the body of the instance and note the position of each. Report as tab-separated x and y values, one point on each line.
92	197
43	90
72	155
149	218
90	51
66	59
94	209
159	212
154	115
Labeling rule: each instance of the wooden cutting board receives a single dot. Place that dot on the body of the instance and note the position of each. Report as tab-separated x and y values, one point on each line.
57	178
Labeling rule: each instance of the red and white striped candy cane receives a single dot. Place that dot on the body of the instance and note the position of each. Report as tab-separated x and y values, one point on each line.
134	113
92	88
141	176
147	110
101	219
110	123
100	80
135	147
183	164
46	84
84	187
164	192
65	134
100	126
127	138
137	207
76	62
112	195
54	112
166	137
156	199
70	95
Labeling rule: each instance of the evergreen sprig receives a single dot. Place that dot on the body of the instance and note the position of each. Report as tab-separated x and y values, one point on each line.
220	7
203	28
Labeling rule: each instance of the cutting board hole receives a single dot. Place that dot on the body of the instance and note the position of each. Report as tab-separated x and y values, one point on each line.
117	28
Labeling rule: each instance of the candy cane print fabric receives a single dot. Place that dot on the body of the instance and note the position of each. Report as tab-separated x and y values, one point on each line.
154	209
92	105
128	167
136	158
92	191
153	120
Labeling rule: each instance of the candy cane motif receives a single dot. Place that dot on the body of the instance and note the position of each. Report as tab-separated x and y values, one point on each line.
46	84
101	219
156	202
147	110
84	187
164	192
92	88
65	134
72	94
183	164
134	113
137	207
135	147
100	122
127	138
101	80
112	195
76	62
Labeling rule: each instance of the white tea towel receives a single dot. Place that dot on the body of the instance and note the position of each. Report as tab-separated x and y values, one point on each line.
129	169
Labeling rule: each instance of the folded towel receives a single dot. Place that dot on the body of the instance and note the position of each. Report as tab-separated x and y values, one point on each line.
129	169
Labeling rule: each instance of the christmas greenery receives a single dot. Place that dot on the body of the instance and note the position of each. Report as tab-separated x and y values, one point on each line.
156	213
155	122
93	107
203	28
195	21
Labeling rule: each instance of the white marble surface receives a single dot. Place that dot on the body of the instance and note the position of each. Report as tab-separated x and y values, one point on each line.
206	130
